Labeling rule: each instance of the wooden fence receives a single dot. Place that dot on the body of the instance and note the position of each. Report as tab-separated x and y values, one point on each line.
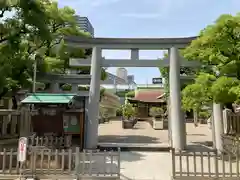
231	144
231	123
50	141
204	165
9	124
14	123
70	162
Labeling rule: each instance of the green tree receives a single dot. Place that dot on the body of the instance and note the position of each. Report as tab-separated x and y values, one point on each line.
34	28
198	94
218	49
165	74
218	46
18	18
62	22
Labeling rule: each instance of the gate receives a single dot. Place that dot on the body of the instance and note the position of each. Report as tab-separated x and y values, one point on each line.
204	165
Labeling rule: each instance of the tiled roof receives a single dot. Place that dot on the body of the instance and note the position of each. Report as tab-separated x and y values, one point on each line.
150	95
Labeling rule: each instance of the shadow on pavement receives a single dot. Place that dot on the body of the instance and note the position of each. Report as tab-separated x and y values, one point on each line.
131	156
196	134
205	143
127	139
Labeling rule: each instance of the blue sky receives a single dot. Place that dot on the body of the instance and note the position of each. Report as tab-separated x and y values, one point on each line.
149	18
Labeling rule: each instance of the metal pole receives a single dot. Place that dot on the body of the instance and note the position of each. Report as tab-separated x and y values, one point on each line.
34	74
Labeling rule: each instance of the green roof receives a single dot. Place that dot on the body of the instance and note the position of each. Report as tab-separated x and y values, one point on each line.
48	98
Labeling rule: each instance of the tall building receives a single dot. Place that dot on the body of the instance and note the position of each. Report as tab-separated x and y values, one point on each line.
130	79
85	24
122	73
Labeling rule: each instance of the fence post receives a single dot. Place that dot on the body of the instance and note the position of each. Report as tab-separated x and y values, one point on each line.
216	163
77	160
119	162
4	125
173	163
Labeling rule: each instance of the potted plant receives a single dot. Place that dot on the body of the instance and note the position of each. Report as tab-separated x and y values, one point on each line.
128	112
157	116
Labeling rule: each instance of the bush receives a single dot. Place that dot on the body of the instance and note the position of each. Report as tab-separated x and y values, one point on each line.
130	94
128	111
156	111
119	112
66	87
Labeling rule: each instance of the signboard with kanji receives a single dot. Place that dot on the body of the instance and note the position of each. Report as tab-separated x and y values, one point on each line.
22	149
157	80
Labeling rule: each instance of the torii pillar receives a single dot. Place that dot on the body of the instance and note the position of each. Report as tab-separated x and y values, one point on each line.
94	96
178	127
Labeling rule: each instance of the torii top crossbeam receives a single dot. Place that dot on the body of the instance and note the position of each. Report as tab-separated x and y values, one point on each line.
129	43
133	44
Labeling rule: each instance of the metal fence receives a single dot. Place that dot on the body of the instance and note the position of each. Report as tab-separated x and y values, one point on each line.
204	165
70	162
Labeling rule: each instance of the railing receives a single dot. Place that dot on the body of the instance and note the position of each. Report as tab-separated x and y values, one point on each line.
231	123
231	144
50	141
204	165
9	124
69	162
14	123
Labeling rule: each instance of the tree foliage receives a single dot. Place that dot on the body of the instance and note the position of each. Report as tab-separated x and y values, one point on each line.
128	111
198	94
218	45
130	94
34	30
18	21
218	49
165	74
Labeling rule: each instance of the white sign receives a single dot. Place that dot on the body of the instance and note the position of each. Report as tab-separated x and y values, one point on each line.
22	149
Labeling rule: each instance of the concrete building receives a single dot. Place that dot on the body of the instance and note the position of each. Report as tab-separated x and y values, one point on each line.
122	73
85	24
130	79
114	80
111	79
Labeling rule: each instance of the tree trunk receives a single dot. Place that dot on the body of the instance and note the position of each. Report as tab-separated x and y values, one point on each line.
229	106
14	102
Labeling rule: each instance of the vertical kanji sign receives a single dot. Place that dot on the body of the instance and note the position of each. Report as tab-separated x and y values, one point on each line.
22	149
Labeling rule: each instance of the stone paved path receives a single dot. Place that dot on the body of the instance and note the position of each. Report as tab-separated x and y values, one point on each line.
146	166
145	135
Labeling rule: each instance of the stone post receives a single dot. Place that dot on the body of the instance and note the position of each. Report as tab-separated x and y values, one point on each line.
54	87
177	121
74	88
94	96
218	126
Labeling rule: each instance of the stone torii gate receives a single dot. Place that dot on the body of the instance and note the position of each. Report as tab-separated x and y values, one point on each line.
174	61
